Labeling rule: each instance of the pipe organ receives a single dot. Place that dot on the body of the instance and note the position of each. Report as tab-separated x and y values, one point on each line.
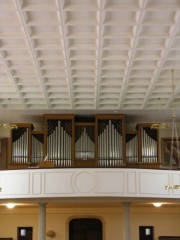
148	144
111	148
85	141
69	141
59	140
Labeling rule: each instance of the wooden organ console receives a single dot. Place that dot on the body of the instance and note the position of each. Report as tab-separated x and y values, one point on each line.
84	141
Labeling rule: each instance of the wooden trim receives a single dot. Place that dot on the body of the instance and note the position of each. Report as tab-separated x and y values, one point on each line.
169	237
85	163
28	125
46	164
6	238
84	124
132	132
18	165
109	116
59	116
3	153
37	132
146	124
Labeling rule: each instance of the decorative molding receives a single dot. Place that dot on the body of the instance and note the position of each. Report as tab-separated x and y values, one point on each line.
47	183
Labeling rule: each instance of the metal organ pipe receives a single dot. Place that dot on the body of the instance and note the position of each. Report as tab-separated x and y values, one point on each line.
149	145
59	143
110	144
37	148
132	148
20	145
84	145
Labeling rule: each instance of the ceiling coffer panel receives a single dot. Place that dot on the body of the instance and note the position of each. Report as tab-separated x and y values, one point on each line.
80	54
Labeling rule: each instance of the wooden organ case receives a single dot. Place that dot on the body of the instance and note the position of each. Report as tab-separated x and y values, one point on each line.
3	153
84	141
21	145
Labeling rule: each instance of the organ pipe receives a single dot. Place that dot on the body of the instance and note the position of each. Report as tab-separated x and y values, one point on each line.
37	148
59	139
132	148
21	144
111	141
148	144
84	141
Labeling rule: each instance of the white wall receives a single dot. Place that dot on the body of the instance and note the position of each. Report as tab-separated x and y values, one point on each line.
108	182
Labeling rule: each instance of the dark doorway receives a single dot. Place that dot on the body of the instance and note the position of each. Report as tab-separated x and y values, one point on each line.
85	229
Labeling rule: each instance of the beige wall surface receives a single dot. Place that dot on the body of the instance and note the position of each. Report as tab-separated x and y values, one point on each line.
165	220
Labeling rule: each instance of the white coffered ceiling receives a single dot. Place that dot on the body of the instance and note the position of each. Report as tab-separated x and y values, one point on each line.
89	55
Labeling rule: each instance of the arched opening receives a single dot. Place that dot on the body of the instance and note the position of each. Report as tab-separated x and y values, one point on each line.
85	229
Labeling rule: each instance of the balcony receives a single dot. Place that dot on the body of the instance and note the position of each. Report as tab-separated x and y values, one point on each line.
95	184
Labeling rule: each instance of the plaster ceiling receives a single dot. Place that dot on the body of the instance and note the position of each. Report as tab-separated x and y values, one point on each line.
89	56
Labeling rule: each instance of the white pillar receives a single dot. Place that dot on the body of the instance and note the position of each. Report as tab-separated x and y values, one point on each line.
126	228
42	222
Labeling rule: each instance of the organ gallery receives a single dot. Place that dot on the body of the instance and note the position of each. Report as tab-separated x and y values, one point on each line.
85	141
